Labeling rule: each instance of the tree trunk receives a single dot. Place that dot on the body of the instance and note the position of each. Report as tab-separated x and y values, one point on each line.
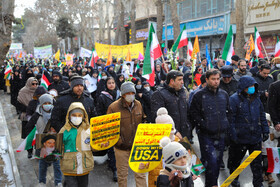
132	21
175	22
239	39
159	6
6	19
120	30
101	22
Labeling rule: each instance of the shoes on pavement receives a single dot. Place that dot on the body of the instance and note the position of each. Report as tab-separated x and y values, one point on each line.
235	183
270	179
191	141
115	176
29	155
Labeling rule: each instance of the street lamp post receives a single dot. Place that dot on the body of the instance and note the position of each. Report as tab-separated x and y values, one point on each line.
165	21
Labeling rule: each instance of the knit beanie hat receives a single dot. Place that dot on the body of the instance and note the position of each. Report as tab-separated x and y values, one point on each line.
45	98
172	151
76	80
77	110
127	87
164	118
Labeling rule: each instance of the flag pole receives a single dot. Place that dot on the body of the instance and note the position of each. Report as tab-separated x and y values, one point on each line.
265	52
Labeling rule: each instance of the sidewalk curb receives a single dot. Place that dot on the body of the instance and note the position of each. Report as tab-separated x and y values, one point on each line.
10	148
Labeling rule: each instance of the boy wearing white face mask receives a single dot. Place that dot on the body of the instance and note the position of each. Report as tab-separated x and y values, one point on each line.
40	119
131	115
77	159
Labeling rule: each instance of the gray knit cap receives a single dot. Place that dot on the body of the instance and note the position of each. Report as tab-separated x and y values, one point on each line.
127	87
76	110
76	80
45	98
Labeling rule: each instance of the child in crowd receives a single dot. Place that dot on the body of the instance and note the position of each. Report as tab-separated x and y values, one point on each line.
177	160
269	143
77	159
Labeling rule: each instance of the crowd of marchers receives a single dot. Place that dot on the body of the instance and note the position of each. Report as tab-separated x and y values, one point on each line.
234	107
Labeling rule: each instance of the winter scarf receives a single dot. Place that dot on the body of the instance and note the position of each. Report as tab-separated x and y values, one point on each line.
26	93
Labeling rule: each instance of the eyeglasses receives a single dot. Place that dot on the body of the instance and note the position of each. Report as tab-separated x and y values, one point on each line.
34	84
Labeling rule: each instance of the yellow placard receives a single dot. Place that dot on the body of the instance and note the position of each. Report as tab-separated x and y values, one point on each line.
105	131
146	150
119	51
242	166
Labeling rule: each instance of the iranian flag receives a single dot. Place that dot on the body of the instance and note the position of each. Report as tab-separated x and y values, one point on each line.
94	57
277	48
190	50
59	64
8	71
258	41
29	141
44	81
273	157
228	48
152	52
181	41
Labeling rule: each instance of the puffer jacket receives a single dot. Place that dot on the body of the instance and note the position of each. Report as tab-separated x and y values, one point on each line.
210	112
176	104
274	102
77	158
130	119
248	116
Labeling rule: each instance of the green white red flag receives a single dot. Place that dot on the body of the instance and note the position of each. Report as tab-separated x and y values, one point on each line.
29	141
228	48
273	157
44	81
8	71
258	41
181	41
277	48
190	50
153	51
94	57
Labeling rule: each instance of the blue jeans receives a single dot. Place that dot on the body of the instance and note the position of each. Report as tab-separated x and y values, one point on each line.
43	167
211	155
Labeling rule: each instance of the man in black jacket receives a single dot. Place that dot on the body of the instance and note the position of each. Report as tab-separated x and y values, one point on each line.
173	97
75	94
264	80
227	83
274	104
209	113
58	84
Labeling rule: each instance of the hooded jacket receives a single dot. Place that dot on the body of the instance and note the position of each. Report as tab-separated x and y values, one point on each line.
77	158
274	102
62	104
248	116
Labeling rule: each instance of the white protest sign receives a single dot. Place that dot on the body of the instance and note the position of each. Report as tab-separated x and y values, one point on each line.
43	52
85	52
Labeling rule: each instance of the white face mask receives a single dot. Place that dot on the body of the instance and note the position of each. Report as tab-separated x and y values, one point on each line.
278	65
76	120
104	77
129	98
148	88
169	66
138	86
47	108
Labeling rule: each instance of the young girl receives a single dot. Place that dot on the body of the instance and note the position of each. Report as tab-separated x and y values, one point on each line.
177	160
77	160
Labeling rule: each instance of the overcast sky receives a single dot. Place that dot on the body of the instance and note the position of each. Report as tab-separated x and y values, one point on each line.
20	5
